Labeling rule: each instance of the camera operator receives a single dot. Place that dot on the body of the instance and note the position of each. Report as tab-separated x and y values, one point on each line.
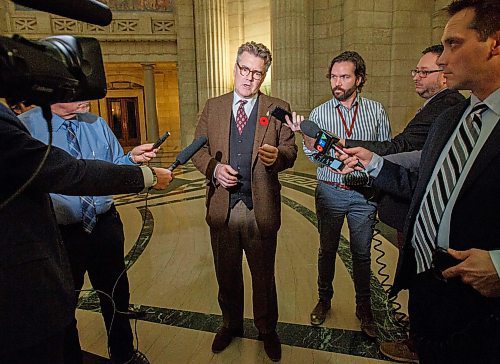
95	246
37	297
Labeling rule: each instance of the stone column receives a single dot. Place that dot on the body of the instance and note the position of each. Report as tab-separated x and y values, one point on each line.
186	70
439	19
290	48
150	102
212	42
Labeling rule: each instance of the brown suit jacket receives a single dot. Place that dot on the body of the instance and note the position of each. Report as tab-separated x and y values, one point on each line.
214	123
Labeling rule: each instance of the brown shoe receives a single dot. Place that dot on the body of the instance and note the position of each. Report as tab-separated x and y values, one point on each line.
365	315
223	338
272	345
402	351
318	315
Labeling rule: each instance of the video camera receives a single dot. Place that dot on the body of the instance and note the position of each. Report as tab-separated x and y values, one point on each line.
58	68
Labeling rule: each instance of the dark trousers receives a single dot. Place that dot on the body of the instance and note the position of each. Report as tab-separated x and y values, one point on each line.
101	255
48	351
242	234
453	323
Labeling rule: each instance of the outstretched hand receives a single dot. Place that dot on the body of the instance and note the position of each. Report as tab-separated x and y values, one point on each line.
143	153
354	156
294	124
164	177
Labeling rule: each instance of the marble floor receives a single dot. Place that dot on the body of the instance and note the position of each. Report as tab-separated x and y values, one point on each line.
172	279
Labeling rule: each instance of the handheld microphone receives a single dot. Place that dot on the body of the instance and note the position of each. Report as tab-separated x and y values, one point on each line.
89	11
324	140
188	152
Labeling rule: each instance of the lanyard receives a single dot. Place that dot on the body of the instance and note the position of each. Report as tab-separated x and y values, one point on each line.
348	130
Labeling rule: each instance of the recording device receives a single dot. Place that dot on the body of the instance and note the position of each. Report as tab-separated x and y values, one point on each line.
328	161
55	69
280	113
59	68
324	140
442	260
89	11
188	152
161	140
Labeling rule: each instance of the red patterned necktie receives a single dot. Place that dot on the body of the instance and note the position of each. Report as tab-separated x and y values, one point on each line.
241	116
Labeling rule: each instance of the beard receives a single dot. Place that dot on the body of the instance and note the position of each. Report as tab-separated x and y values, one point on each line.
345	93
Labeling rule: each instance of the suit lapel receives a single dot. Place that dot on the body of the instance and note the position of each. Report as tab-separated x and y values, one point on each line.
260	130
489	150
224	109
441	132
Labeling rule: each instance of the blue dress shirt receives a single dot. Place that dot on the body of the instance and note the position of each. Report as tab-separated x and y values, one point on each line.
96	141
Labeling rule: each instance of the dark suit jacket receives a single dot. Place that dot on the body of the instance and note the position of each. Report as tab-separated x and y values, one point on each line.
414	135
474	219
36	288
392	210
214	123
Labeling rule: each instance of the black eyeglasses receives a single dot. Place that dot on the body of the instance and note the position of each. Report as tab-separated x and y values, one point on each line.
423	73
245	71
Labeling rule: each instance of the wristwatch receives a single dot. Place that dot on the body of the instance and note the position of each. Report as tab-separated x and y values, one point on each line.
155	177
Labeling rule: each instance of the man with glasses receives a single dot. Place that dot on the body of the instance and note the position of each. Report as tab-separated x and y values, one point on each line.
451	258
430	84
245	151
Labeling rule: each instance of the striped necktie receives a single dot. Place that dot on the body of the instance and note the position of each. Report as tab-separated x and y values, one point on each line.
89	216
435	200
241	116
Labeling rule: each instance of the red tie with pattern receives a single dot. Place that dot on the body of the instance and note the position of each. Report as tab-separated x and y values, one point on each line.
241	116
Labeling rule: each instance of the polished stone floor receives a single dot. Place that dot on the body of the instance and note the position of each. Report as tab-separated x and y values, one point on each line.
172	279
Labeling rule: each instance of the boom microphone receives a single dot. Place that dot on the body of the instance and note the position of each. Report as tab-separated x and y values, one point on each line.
324	140
188	152
89	11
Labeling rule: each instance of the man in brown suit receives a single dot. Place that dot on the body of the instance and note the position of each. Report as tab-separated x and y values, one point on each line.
246	149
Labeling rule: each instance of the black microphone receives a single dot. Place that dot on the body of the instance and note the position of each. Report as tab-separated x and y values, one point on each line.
188	152
89	11
324	140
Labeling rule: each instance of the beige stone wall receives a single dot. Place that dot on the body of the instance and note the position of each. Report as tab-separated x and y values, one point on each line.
186	67
388	34
198	42
248	21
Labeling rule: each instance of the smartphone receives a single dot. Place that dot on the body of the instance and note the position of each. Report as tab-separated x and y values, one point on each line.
280	113
442	260
161	140
328	161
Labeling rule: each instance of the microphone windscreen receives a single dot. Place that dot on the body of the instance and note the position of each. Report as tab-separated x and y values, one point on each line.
191	149
89	11
310	128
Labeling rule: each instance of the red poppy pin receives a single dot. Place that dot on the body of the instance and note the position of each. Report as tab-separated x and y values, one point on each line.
264	121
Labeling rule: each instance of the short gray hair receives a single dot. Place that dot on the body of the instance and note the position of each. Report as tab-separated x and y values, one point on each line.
257	50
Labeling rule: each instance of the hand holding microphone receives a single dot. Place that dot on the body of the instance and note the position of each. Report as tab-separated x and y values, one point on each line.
163	178
356	158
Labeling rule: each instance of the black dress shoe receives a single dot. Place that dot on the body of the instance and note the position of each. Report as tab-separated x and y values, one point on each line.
223	338
272	345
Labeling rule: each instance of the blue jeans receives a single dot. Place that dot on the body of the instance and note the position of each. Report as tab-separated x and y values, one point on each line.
333	204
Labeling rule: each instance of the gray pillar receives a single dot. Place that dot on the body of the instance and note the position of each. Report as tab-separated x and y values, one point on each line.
290	46
212	42
150	102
